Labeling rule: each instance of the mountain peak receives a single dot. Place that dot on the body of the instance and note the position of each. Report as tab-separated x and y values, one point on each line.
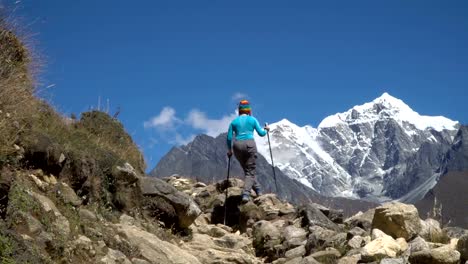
388	107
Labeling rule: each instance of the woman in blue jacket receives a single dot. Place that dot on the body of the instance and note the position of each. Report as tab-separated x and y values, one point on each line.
245	149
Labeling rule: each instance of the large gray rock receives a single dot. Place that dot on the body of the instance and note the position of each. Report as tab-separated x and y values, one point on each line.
431	231
184	206
318	238
329	255
441	255
152	248
294	236
462	247
266	237
312	216
398	220
67	194
361	220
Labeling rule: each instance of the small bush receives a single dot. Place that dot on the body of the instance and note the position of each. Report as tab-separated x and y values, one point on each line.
6	250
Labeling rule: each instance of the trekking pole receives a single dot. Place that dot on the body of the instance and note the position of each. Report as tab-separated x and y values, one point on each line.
226	191
271	155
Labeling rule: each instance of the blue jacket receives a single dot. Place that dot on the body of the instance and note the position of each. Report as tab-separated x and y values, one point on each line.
243	127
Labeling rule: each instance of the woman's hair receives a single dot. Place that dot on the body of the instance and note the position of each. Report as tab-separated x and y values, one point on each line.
244	108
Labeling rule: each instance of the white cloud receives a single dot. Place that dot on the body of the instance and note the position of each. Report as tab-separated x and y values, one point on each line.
239	96
165	120
211	127
180	140
178	131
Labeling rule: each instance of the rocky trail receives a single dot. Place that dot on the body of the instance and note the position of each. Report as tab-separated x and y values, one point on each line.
181	221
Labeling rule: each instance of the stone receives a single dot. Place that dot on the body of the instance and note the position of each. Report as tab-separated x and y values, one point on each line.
265	237
455	232
328	255
139	261
312	216
317	238
185	208
26	224
356	231
231	248
270	205
431	231
381	247
115	257
354	259
397	220
309	260
294	236
393	261
60	223
362	220
295	252
87	215
355	242
67	194
441	255
152	248
377	233
418	244
462	247
403	244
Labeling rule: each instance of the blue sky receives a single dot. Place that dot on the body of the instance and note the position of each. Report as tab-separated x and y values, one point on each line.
178	68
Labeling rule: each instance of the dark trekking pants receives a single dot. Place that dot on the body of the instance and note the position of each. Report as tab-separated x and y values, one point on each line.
246	153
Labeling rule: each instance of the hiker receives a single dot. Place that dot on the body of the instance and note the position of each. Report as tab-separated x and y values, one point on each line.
244	146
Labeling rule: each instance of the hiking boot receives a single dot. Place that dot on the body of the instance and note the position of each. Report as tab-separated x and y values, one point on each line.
245	198
258	191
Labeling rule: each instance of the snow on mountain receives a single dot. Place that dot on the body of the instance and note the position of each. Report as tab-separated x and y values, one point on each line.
363	152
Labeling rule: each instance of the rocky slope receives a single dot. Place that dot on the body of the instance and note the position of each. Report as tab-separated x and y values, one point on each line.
182	221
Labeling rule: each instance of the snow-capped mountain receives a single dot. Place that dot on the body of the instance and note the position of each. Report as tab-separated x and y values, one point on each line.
379	150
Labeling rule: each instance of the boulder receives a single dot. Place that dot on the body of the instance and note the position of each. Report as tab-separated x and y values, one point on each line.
186	210
336	216
294	236
266	237
87	215
393	261
60	223
441	255
362	220
270	205
355	242
382	247
431	231
329	255
418	244
317	238
354	259
295	252
152	248
397	220
312	216
462	247
115	257
230	248
455	232
356	231
67	194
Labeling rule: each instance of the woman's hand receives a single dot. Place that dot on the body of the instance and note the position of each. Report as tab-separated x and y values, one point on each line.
267	128
229	153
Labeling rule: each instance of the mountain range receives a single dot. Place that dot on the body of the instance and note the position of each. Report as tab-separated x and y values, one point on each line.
375	152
